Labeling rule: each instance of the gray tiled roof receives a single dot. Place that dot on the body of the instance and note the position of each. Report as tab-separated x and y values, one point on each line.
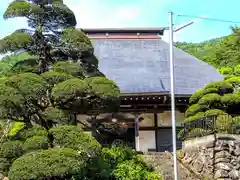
139	66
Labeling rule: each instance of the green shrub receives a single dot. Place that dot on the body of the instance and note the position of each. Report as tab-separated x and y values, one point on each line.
59	163
36	130
200	93
180	133
102	166
226	70
102	87
69	89
35	143
210	100
135	170
68	68
16	127
55	77
228	77
212	112
71	137
235	81
11	149
199	130
236	123
196	96
52	114
153	176
33	85
180	154
118	154
230	99
236	120
193	109
221	86
120	162
194	117
98	168
224	123
5	165
237	70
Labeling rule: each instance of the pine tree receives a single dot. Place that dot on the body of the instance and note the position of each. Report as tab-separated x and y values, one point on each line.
51	36
43	89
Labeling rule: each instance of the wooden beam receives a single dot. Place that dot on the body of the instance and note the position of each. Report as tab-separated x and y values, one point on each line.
137	139
165	93
149	109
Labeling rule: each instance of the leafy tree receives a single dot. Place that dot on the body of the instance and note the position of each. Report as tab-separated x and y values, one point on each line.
227	52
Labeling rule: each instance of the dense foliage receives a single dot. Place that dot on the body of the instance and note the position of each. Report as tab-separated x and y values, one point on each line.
220	99
219	52
52	76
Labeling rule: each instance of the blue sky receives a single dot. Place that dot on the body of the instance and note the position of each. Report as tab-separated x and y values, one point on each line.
146	13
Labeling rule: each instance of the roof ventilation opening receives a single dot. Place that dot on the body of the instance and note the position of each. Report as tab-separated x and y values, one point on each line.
138	35
107	35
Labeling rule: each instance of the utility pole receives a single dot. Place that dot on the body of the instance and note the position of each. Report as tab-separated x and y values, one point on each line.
173	111
171	58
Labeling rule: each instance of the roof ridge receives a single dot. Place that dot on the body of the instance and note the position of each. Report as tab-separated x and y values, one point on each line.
133	30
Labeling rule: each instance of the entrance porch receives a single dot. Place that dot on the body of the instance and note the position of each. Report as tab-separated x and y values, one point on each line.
146	132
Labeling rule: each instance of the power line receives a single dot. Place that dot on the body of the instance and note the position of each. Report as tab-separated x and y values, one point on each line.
209	19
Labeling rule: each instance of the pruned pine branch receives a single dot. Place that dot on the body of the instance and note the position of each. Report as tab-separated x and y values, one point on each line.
16	41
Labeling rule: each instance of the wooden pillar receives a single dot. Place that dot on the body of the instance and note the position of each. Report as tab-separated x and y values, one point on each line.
73	119
156	129
137	140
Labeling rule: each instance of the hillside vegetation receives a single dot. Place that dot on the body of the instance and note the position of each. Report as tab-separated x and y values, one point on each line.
219	52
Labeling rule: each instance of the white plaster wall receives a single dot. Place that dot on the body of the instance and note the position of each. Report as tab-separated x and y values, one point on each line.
148	120
88	132
147	140
164	119
83	118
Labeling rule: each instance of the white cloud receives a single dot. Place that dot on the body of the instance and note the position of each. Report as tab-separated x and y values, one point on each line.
104	14
97	14
127	13
108	14
100	14
119	14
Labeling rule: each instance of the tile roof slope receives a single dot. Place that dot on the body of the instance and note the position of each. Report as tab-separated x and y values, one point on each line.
139	66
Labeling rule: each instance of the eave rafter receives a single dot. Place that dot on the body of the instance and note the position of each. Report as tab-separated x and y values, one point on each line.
151	102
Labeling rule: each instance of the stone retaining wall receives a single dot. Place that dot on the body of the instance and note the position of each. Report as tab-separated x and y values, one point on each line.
213	157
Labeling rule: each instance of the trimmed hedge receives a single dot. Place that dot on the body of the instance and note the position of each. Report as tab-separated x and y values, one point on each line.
56	163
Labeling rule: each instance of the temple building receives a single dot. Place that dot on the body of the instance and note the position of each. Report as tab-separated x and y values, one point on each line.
138	61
